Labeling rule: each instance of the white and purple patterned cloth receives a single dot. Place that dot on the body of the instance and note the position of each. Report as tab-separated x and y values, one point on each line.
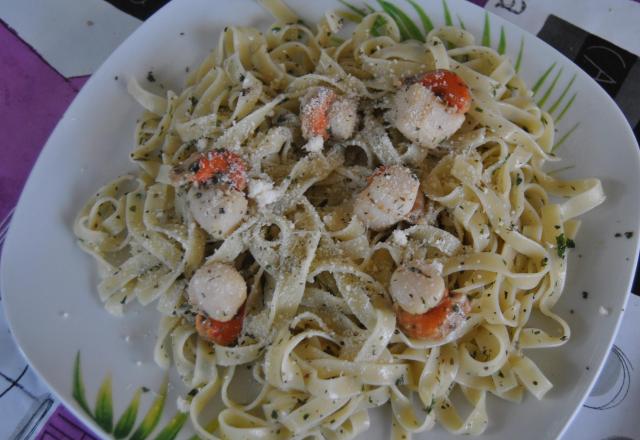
46	57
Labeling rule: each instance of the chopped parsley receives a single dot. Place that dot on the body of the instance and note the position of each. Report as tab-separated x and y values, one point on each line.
430	407
564	243
518	179
194	102
150	77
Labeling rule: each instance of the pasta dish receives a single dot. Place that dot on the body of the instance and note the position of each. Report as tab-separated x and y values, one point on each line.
355	218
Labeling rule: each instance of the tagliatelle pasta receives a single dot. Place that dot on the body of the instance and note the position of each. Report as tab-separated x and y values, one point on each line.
320	321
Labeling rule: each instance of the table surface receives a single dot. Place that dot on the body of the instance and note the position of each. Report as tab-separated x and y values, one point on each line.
40	76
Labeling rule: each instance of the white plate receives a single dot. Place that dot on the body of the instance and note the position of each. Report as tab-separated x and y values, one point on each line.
49	285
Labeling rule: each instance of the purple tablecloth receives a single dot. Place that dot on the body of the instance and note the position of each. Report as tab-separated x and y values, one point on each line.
33	97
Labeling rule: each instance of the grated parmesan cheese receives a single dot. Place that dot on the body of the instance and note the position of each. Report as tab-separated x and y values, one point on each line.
263	192
400	237
314	145
202	144
183	404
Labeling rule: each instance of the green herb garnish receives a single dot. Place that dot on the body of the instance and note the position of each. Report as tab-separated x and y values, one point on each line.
564	243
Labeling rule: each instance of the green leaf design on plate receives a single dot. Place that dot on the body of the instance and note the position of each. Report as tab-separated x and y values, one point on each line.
566	89
128	417
566	107
461	23
78	386
549	91
447	14
520	53
486	32
502	44
404	33
173	427
563	139
378	24
540	81
353	8
427	24
405	24
103	415
154	413
104	405
559	100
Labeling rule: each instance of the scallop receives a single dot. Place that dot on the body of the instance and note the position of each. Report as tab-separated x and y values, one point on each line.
422	117
343	118
218	209
217	289
389	197
324	113
417	287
